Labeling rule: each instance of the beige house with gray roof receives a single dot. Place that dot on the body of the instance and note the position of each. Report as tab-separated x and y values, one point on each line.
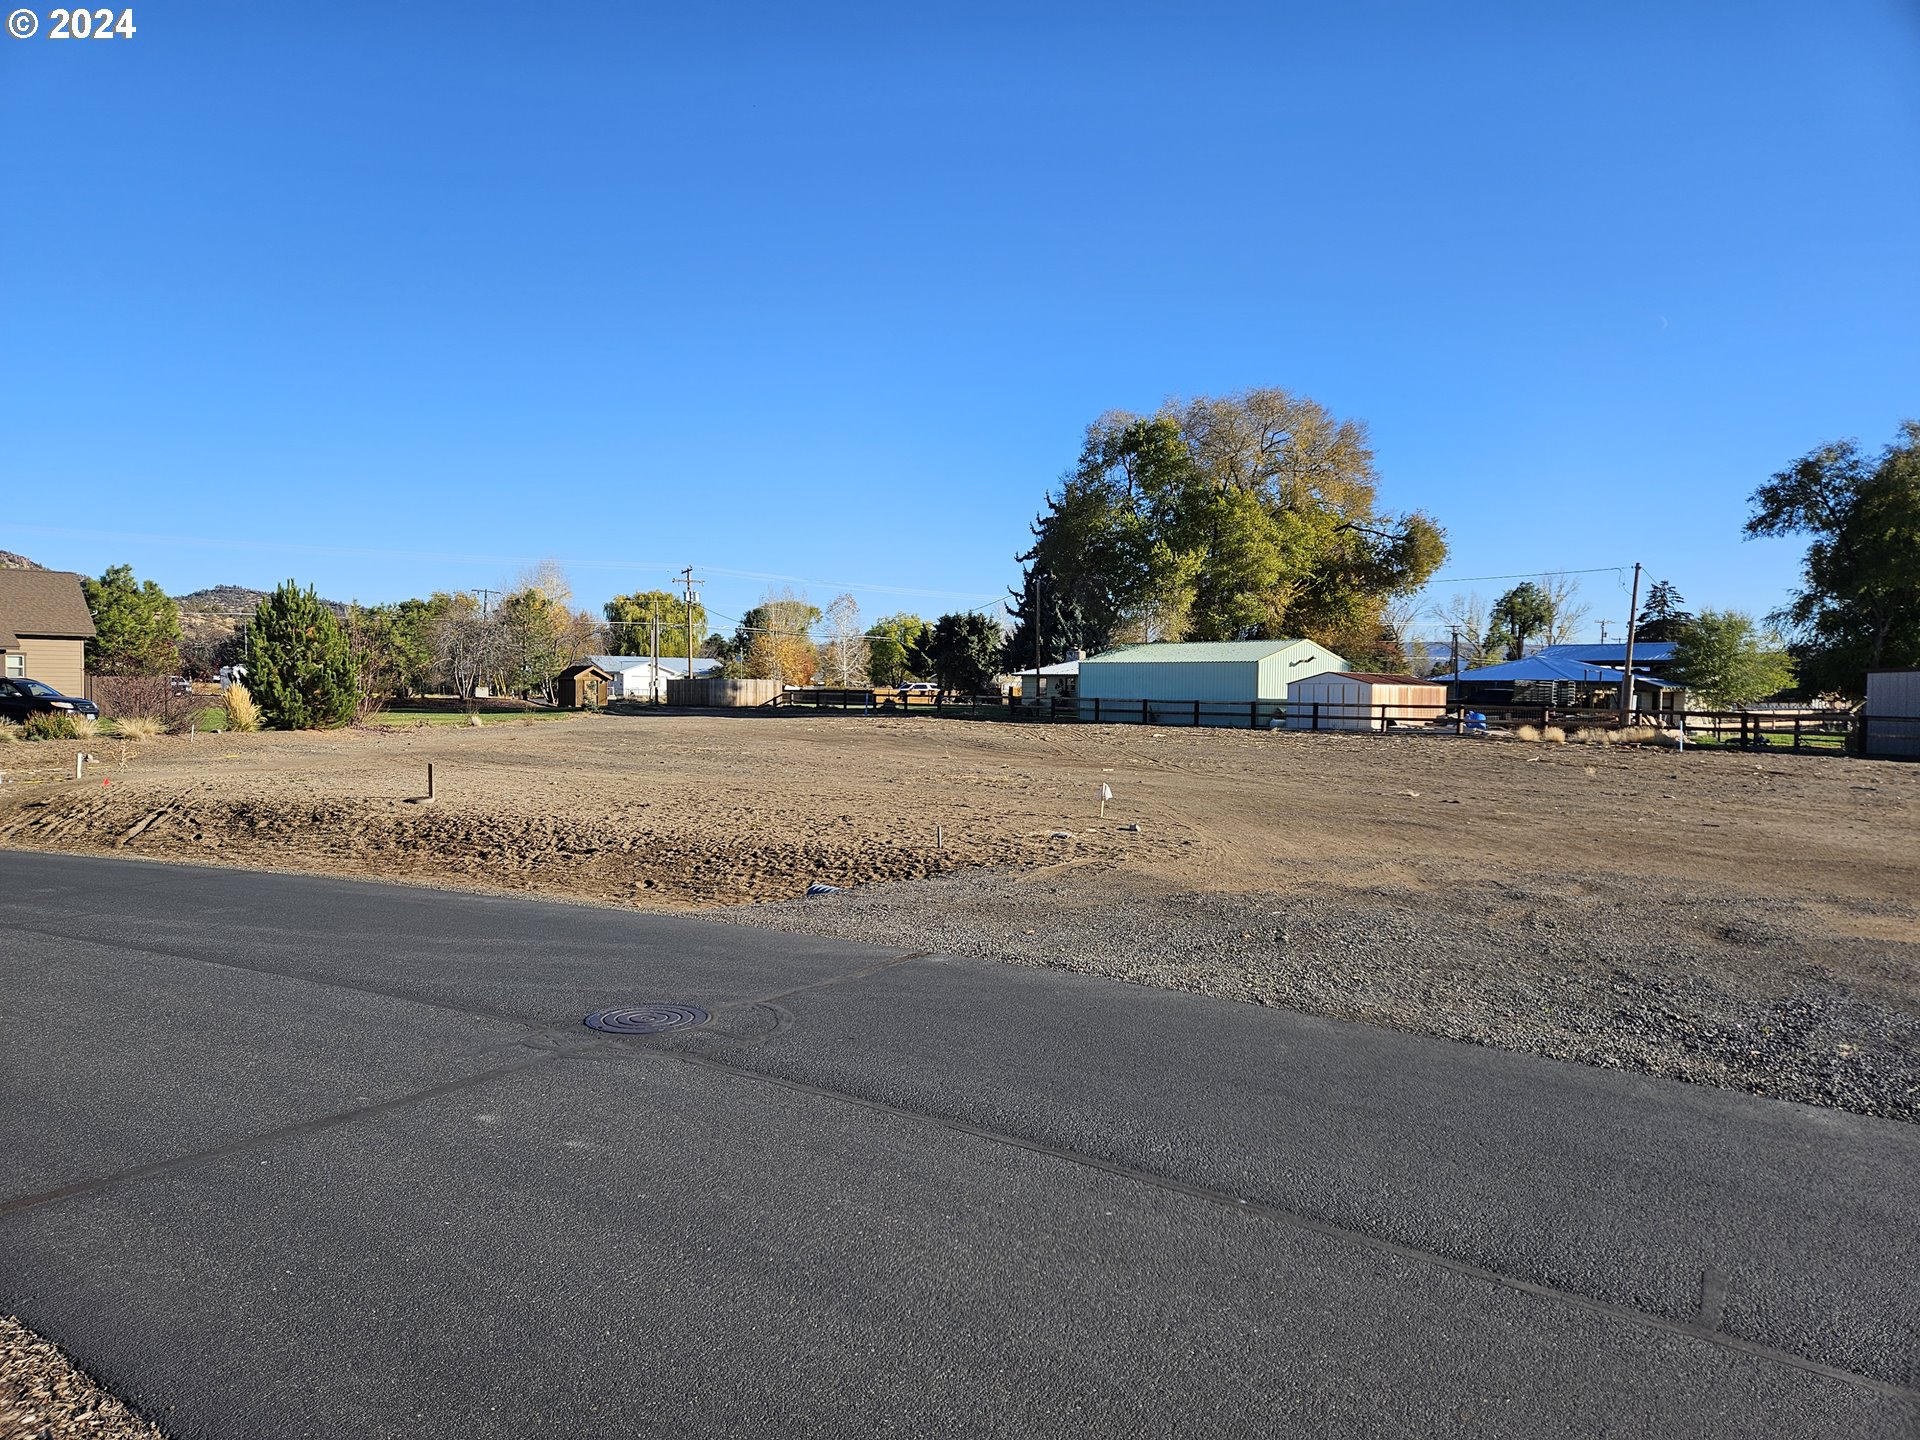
44	628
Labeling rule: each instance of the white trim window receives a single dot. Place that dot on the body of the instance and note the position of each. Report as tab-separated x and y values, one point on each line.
16	668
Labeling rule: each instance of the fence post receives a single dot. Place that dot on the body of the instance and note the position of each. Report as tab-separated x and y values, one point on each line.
1316	715
1253	715
1196	714
1796	732
1143	714
1096	709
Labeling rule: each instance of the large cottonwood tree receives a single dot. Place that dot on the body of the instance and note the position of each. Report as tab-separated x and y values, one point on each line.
1252	516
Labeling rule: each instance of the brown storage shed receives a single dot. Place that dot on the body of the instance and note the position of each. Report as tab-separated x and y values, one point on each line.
583	687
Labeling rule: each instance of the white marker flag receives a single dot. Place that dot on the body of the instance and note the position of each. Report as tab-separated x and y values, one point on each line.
1106	792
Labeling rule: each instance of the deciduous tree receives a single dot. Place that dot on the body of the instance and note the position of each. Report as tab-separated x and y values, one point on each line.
843	656
1723	658
773	640
630	623
892	643
1252	516
1517	616
1858	605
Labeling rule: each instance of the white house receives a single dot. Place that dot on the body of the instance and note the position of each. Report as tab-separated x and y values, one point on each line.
634	677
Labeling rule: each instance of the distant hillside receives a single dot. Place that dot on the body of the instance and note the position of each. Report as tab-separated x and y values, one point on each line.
221	600
235	601
11	561
211	621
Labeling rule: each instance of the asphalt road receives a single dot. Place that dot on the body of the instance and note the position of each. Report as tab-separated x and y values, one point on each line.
295	1157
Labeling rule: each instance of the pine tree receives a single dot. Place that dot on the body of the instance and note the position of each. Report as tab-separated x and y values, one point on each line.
136	627
300	668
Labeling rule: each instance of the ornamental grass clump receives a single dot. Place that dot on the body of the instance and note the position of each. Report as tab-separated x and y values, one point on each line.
242	713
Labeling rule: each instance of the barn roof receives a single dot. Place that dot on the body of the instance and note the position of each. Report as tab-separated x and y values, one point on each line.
1198	652
1371	677
1544	667
1645	652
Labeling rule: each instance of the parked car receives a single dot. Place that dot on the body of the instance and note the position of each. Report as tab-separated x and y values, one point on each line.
21	698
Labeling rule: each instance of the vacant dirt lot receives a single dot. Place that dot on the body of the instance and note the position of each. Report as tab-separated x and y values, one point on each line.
1745	920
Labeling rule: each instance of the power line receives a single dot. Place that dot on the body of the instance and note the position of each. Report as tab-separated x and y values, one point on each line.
1527	575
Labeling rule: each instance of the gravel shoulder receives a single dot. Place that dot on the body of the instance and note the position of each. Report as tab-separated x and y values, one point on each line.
1751	993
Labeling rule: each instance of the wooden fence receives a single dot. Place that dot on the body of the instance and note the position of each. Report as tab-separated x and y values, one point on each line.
1806	730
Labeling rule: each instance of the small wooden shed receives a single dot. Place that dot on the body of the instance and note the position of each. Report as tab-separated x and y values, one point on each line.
582	687
1362	700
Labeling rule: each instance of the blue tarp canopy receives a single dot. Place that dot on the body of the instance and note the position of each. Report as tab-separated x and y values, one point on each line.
1645	652
1547	669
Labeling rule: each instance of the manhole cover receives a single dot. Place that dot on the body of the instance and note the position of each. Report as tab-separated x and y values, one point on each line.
646	1019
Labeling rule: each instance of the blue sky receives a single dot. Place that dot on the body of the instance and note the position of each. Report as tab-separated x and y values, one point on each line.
397	298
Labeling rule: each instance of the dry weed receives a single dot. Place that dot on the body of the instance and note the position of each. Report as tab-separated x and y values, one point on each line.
1554	735
139	727
9	730
1528	733
242	713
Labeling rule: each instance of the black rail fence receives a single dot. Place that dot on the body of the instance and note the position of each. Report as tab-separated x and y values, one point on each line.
1811	730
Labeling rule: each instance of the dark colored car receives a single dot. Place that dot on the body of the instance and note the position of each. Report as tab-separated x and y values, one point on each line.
21	698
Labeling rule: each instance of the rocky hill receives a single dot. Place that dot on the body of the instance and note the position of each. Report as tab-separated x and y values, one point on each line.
236	601
11	561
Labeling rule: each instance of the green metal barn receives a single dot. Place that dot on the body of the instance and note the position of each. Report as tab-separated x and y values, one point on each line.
1237	682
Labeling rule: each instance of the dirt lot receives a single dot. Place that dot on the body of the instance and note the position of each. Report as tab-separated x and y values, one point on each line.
1739	919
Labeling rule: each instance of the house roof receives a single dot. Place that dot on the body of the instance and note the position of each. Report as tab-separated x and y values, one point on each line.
1195	652
42	602
1371	677
1645	652
1544	667
1064	667
669	664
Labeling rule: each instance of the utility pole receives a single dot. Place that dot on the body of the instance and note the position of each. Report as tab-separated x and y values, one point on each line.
1626	670
485	601
686	578
1603	632
655	671
1036	637
1460	708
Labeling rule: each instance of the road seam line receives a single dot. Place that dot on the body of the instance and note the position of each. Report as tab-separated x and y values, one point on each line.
268	1137
1691	1330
